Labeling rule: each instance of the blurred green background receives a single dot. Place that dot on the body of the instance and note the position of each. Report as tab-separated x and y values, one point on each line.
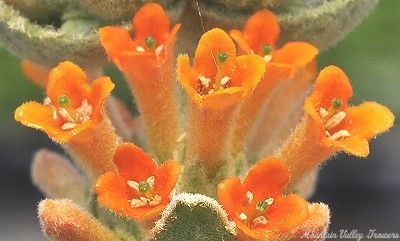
370	55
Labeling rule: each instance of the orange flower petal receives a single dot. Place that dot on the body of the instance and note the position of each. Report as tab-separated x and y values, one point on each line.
166	178
368	119
116	40
210	45
295	54
250	69
331	83
151	20
68	79
260	29
230	191
101	88
133	163
267	178
353	145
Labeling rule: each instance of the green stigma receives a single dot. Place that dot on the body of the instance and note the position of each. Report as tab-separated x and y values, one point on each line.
63	101
336	103
266	49
144	187
222	56
150	42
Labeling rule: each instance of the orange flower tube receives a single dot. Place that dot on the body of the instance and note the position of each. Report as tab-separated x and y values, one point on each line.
331	125
73	115
257	205
216	84
293	65
147	62
139	190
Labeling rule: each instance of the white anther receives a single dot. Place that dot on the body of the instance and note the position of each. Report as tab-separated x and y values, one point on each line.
242	216
84	112
338	135
143	199
137	203
211	91
150	180
269	201
260	220
225	80
335	120
68	126
249	196
65	115
140	49
323	112
159	49
267	58
204	81
155	200
133	184
47	101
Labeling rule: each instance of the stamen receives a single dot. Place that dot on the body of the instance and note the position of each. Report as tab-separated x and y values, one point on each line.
150	180
137	203
339	134
267	58
204	81
140	49
225	80
133	184
242	216
158	50
150	42
155	200
335	120
65	115
260	220
323	112
84	112
47	101
249	196
222	57
68	126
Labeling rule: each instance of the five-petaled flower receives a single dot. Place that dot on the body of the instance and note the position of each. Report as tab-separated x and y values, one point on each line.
257	204
219	77
140	189
344	127
72	105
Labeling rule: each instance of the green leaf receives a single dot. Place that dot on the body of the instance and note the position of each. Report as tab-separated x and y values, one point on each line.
193	217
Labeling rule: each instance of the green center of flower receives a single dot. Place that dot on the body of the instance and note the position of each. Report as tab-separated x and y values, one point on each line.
150	42
144	187
266	49
64	101
336	103
222	57
264	205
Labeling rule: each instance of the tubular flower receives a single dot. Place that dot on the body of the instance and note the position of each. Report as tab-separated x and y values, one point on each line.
257	205
293	66
218	81
140	189
332	125
72	114
147	61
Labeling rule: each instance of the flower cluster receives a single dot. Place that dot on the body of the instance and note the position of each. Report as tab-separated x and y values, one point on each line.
241	96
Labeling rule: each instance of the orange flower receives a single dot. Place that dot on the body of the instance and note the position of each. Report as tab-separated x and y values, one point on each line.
346	128
257	205
216	84
292	65
140	189
219	78
147	62
71	106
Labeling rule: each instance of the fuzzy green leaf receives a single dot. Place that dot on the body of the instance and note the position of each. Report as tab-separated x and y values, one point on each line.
193	217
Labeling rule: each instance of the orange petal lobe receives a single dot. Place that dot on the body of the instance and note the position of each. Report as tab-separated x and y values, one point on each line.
295	54
230	191
166	178
133	163
101	88
267	178
249	71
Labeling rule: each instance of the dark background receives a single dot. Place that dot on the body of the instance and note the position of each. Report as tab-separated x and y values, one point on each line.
363	194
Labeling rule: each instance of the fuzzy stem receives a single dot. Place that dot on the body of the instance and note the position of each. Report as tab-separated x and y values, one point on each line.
94	148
